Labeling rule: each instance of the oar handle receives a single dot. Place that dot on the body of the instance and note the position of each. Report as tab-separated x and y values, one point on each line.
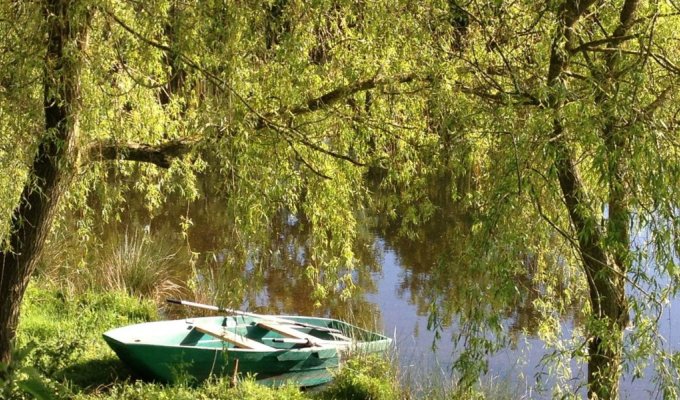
197	305
212	308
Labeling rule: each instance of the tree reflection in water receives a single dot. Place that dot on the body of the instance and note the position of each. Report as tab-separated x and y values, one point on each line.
269	274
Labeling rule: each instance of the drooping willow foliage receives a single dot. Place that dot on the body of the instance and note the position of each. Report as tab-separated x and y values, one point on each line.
554	125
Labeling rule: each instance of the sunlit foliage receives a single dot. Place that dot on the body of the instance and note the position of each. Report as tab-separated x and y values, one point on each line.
555	123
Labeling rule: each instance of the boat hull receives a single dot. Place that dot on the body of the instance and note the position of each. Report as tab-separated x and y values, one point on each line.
173	351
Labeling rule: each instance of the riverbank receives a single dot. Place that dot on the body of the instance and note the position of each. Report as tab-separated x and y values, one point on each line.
60	355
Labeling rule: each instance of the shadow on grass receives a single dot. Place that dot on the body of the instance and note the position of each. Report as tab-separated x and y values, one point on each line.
93	375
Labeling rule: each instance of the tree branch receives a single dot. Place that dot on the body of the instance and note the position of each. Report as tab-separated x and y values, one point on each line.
342	92
595	43
136	34
161	155
502	98
648	111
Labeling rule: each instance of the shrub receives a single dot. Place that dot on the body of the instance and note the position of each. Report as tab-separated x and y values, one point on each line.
363	378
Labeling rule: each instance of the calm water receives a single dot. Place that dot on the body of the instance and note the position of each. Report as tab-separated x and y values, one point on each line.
395	290
516	366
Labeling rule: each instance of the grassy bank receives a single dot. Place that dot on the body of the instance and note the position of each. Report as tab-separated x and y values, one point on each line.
61	355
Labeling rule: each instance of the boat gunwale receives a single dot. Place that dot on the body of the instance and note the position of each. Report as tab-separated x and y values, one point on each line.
192	322
229	349
240	349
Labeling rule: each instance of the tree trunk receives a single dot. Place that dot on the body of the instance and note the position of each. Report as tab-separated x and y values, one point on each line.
605	279
51	169
605	346
604	364
604	265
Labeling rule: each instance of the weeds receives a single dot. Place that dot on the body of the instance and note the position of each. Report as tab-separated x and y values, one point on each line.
140	267
134	264
363	378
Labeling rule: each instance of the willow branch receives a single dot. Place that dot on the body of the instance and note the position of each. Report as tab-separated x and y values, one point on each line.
648	111
138	35
304	162
161	155
343	92
503	98
616	40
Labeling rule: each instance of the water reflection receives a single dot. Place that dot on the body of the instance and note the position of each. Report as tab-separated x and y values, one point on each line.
437	269
406	280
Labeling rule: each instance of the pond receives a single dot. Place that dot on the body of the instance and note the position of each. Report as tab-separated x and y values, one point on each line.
400	286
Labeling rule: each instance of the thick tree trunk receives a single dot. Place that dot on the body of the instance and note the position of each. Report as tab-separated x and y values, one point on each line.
604	364
604	261
51	170
605	279
607	293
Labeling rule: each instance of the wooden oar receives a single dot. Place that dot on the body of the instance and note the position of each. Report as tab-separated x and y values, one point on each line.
249	314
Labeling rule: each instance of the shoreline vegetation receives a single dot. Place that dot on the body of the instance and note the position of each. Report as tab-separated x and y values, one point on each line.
60	355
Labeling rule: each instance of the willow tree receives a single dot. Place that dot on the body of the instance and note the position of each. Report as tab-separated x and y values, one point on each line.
550	113
95	89
575	135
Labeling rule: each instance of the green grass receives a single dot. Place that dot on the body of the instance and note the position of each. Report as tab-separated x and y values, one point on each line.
218	389
364	378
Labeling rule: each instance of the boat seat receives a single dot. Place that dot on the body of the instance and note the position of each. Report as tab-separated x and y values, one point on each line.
230	337
289	332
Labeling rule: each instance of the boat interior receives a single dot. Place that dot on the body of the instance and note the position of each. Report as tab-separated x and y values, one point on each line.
261	334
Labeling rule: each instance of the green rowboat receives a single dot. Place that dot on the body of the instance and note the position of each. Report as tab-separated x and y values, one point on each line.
275	350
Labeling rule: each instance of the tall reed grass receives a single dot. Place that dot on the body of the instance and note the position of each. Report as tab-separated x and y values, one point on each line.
132	263
420	378
141	267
